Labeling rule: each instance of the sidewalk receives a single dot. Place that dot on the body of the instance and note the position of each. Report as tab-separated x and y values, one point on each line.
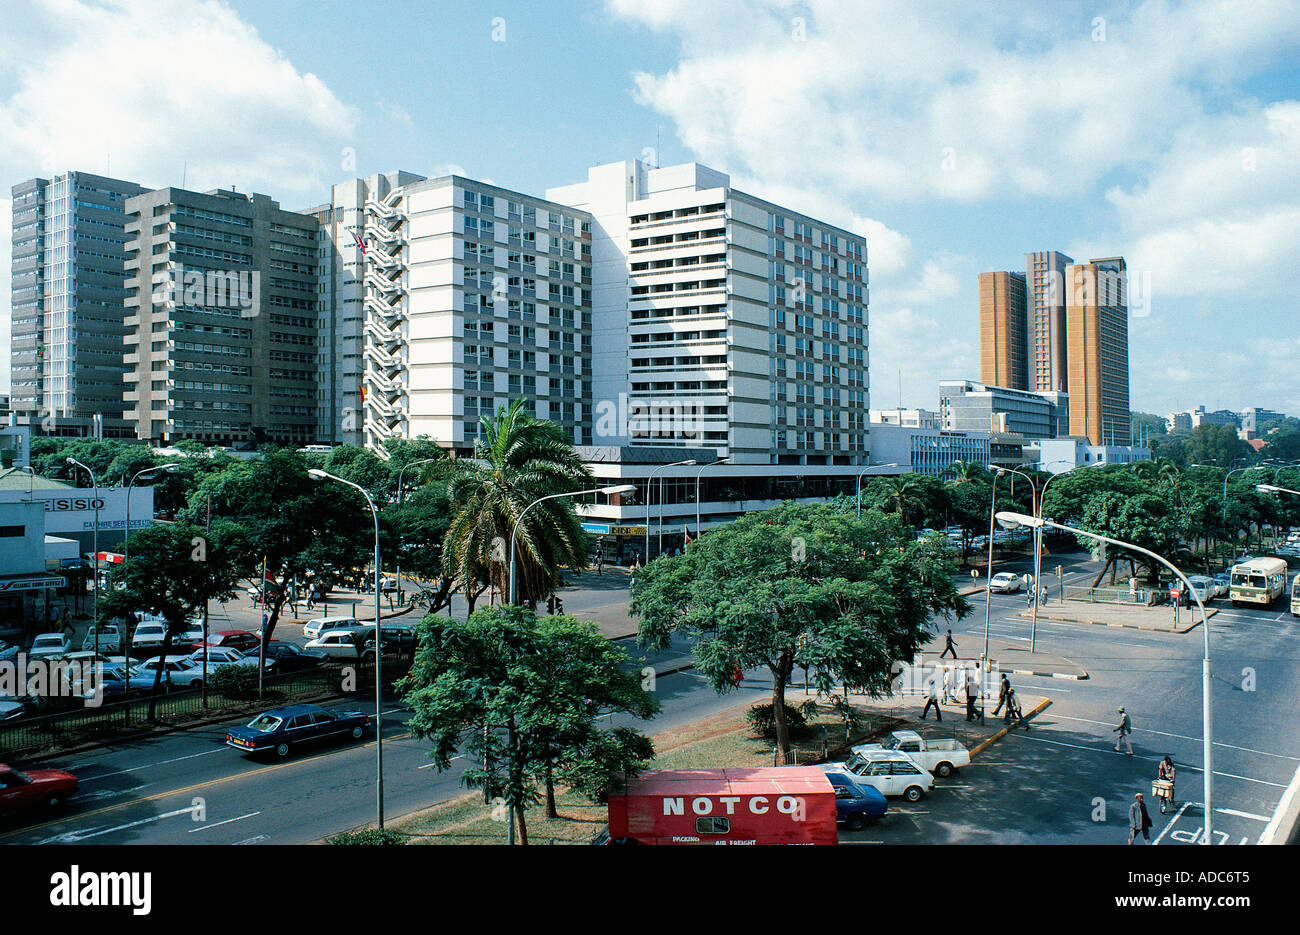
1008	655
1159	618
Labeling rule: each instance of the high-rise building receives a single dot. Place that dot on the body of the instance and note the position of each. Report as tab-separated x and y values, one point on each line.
723	321
221	312
1003	322
68	269
1097	315
446	298
1048	361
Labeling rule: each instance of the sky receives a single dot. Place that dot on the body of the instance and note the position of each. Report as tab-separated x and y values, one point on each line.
956	137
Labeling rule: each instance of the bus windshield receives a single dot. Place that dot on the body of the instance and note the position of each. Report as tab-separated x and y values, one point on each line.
1242	580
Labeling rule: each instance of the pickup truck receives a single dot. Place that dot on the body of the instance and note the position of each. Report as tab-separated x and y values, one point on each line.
940	757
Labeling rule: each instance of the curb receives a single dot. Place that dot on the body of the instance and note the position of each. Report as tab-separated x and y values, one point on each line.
1052	675
1281	828
1038	709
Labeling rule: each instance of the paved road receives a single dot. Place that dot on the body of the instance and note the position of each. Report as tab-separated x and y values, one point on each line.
1047	785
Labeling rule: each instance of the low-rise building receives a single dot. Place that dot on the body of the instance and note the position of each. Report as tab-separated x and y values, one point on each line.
926	450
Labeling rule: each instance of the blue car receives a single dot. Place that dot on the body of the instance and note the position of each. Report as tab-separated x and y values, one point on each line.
855	803
282	730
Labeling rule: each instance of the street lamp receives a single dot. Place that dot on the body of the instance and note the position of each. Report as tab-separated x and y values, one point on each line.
1038	549
1225	506
697	495
399	503
648	485
317	474
621	488
1010	520
168	468
864	471
31	478
95	546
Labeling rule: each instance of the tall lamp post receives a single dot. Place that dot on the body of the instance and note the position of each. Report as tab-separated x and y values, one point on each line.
318	474
399	503
1019	519
1041	496
649	485
167	468
1226	477
1273	488
860	475
95	546
621	488
697	494
988	572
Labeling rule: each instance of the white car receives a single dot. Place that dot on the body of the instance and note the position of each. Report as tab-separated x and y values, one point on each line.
939	756
50	644
337	644
151	635
178	671
1004	582
889	772
319	625
225	656
1206	588
108	639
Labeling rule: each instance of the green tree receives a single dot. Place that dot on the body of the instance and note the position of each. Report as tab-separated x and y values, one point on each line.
518	460
173	570
799	584
521	694
1144	519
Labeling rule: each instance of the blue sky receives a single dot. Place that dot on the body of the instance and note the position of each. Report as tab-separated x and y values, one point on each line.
956	139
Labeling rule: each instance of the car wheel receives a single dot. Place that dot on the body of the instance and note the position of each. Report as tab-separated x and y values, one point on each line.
197	683
282	750
55	799
357	732
914	793
855	822
943	770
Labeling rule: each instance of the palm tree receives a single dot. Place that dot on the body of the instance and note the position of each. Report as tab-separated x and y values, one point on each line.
904	497
964	472
518	459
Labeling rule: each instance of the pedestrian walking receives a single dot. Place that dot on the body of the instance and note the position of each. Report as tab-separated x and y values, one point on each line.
1138	820
1004	689
1014	711
737	675
947	686
1042	595
949	647
932	698
1029	599
972	693
1124	729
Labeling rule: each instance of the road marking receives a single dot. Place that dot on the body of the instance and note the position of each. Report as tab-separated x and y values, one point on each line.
1233	811
253	840
1147	730
72	837
74	770
226	822
1171	824
1152	759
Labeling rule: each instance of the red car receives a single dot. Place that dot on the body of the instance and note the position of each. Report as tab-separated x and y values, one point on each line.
45	787
241	640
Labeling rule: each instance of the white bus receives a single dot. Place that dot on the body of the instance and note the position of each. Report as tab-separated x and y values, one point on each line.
1259	581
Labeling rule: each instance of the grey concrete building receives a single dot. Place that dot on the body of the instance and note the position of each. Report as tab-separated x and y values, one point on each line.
968	406
222	318
68	268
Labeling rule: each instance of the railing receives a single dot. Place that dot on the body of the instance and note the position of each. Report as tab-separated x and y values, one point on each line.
1111	595
28	737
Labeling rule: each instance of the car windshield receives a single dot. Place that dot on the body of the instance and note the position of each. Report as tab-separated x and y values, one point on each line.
47	640
20	776
891	743
854	763
266	723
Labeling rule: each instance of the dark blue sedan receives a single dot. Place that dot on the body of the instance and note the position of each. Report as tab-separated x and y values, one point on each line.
282	730
855	802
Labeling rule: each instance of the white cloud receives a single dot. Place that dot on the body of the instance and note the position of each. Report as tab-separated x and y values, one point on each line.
146	89
930	100
920	348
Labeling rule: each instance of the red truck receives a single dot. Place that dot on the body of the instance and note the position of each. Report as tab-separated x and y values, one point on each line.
764	805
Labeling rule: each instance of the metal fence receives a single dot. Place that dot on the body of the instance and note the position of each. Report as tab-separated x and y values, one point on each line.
1110	595
34	736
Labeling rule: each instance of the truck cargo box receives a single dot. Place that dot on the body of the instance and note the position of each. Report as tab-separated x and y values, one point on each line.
756	805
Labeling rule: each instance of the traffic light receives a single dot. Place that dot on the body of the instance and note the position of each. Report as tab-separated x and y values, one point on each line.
550	604
559	605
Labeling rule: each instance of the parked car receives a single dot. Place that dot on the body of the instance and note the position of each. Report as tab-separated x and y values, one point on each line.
288	657
318	625
1004	582
48	788
50	645
397	637
11	709
890	772
119	682
341	644
1223	582
1204	587
225	656
941	757
231	639
106	638
178	671
8	651
282	730
149	637
856	803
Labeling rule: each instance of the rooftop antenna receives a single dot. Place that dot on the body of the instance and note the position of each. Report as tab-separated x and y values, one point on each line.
658	158
184	166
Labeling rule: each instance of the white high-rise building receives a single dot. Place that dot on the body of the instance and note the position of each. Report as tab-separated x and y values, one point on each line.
723	321
448	298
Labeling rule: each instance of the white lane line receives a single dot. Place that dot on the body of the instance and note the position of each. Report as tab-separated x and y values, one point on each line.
226	822
1152	759
252	840
135	769
73	837
1147	730
1251	815
1162	834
